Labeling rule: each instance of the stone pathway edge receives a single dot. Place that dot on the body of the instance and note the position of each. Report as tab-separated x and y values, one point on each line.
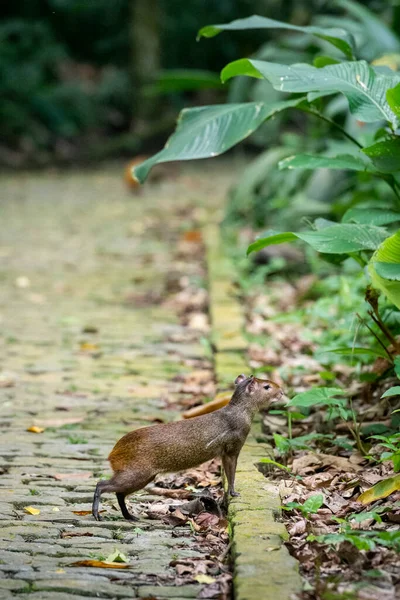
263	567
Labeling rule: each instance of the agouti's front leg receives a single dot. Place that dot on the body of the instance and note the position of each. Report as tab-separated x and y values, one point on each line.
229	462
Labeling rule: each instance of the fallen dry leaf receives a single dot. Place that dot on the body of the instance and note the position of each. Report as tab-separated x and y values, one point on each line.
206	519
81	475
202	578
89	347
70	534
31	510
35	429
193	236
222	399
383	489
100	564
83	513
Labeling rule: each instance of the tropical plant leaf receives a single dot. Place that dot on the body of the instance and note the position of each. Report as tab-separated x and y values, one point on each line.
338	37
313	503
385	155
383	275
364	87
383	489
211	130
338	239
389	271
374	28
358	352
310	161
321	395
322	61
393	99
178	80
393	391
371	216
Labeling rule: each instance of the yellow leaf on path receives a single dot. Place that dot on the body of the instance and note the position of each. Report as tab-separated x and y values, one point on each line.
32	511
35	429
201	578
381	490
99	564
60	571
88	347
55	509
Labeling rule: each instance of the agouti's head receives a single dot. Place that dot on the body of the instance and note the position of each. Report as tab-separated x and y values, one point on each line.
262	392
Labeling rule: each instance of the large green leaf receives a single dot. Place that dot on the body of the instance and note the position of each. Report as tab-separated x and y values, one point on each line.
364	87
338	37
375	29
383	489
393	99
385	155
371	216
393	391
384	268
389	271
358	352
310	161
211	130
178	80
321	395
338	239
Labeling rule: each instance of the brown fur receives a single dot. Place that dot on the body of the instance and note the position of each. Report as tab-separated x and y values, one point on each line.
140	455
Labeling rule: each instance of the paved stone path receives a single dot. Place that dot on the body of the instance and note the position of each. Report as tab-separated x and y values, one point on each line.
89	350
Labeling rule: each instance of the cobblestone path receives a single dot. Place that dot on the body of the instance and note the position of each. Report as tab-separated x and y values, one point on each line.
90	348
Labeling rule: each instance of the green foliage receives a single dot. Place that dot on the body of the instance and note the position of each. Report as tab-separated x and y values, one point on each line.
362	540
211	130
338	239
309	507
391	442
337	37
384	268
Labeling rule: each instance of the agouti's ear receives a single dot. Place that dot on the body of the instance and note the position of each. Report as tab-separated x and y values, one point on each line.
240	378
251	386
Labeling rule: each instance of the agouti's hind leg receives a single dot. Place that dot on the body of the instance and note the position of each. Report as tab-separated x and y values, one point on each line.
125	512
122	483
102	486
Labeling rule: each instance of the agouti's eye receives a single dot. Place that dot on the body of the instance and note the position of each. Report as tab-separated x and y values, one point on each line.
267	386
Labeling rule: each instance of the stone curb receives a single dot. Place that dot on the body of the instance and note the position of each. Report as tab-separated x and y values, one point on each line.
263	567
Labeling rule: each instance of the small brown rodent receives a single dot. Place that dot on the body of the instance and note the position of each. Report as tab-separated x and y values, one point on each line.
140	455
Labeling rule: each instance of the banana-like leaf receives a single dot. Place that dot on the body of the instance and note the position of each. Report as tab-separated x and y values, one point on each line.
341	161
323	395
371	216
389	271
211	130
375	29
385	155
393	391
338	37
364	87
384	268
342	238
358	352
383	489
393	99
183	80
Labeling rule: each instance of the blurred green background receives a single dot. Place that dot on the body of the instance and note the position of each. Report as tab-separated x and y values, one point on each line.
83	80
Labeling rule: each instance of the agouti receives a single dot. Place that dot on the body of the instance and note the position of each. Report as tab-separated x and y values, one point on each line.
140	455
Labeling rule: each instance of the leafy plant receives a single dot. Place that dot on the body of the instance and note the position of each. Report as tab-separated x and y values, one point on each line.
373	96
362	540
309	507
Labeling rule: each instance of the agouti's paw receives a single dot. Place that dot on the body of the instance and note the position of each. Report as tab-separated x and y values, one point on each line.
234	494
